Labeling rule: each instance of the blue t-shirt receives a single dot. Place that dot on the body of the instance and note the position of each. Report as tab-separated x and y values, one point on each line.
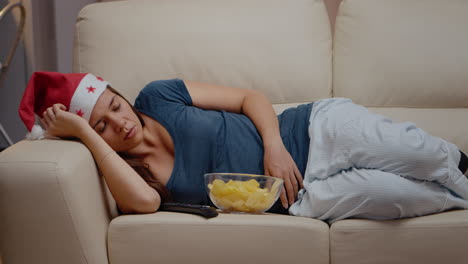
215	141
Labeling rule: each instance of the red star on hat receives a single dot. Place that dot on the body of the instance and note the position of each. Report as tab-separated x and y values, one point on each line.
91	89
80	113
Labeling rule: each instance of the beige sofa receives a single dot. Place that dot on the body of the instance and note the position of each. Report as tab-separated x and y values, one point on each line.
404	58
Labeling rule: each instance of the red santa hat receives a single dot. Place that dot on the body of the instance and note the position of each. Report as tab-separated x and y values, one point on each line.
78	92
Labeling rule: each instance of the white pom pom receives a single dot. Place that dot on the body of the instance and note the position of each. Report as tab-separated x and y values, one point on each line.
36	133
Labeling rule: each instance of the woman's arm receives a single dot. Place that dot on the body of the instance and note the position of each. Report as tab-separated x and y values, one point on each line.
131	192
258	108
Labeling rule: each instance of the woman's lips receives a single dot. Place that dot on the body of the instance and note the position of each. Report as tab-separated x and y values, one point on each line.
130	133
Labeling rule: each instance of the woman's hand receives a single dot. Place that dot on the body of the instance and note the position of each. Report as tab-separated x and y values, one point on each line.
279	163
60	123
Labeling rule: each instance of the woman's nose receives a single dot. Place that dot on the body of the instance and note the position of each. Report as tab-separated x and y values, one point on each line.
121	126
118	123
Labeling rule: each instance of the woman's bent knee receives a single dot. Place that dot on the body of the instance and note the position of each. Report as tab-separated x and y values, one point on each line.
374	194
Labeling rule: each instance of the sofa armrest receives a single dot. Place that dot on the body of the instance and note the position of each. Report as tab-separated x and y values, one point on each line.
54	206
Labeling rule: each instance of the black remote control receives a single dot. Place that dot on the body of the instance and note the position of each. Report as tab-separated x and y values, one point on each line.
203	210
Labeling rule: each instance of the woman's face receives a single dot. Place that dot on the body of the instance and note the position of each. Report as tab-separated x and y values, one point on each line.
114	120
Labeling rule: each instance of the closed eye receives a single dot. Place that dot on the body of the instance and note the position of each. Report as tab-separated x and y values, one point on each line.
103	124
103	127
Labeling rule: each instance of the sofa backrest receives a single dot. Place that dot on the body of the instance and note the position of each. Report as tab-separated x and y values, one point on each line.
402	53
282	48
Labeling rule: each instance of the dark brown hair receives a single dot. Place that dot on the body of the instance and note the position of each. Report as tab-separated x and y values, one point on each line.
141	167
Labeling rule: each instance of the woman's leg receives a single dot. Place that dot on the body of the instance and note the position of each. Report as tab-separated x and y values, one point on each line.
345	135
372	194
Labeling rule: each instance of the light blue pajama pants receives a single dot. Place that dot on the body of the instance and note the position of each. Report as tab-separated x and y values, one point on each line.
363	165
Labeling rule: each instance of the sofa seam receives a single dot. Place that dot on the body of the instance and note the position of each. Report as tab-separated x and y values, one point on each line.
78	57
337	229
57	169
206	223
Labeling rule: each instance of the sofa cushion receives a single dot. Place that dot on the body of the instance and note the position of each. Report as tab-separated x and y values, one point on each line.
282	49
402	53
433	239
166	237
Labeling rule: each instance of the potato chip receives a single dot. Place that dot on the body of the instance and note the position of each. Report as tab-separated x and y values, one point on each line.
243	196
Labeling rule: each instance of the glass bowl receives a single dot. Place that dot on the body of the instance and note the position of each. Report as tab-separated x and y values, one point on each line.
247	193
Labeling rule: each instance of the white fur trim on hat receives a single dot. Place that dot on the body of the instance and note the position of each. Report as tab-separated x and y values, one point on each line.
86	95
36	133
